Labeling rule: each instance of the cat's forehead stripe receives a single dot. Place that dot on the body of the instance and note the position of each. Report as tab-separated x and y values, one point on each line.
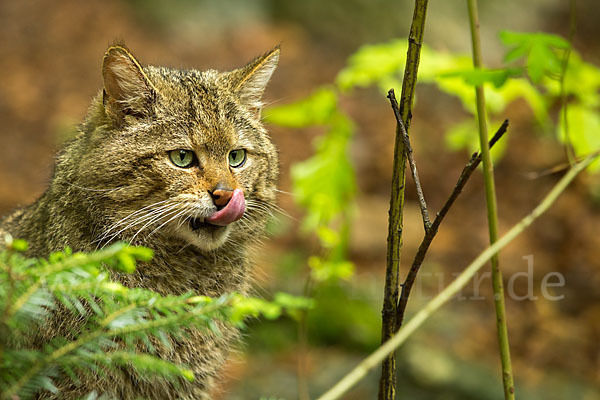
211	113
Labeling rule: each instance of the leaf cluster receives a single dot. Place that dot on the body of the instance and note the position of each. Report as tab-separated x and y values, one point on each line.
539	69
325	184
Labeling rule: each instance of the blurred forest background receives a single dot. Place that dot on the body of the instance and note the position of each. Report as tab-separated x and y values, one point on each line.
51	57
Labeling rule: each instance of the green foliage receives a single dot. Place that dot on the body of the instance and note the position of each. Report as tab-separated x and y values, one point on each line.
581	87
325	184
327	270
463	135
539	81
451	73
584	127
244	307
293	304
540	70
357	323
316	109
374	65
541	51
113	321
581	82
477	77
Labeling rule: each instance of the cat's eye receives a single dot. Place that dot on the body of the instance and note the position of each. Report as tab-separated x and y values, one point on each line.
237	158
182	158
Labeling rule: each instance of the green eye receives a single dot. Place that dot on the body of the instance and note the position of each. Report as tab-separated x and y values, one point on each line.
182	158
237	158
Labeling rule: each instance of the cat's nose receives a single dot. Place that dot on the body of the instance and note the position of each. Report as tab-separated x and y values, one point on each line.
221	196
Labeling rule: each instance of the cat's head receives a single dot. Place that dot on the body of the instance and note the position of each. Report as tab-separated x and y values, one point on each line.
180	153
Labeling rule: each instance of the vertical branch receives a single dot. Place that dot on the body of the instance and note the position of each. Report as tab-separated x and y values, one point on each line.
492	211
302	369
413	57
387	383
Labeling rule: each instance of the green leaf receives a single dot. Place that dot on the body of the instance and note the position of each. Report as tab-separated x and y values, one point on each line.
539	49
126	263
140	253
330	270
584	131
143	363
477	77
316	109
515	53
521	88
511	38
19	245
253	307
329	237
372	64
357	324
538	60
464	135
290	302
325	183
581	81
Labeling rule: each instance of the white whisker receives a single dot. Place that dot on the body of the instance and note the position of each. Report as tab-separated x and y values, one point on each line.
116	224
93	190
157	218
181	212
284	192
149	214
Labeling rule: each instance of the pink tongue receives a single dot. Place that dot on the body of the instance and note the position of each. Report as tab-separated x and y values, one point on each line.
231	212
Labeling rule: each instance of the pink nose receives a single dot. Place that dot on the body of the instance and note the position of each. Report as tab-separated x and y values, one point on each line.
221	197
234	207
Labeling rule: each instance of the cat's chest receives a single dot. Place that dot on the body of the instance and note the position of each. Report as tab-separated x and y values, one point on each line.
177	273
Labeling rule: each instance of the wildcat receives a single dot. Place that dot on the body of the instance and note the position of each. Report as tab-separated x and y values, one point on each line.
175	160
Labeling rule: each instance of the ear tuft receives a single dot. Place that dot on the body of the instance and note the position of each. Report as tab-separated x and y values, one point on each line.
249	82
127	89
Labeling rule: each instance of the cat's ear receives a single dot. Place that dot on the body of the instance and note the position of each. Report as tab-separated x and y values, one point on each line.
249	82
127	89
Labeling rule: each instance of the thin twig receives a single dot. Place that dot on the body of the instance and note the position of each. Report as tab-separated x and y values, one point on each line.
563	74
430	235
555	169
452	289
411	161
